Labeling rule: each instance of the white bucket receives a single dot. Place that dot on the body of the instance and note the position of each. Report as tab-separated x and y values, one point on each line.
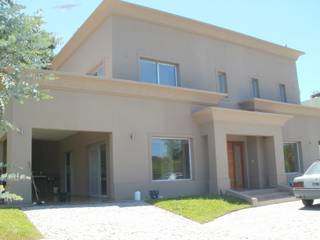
137	196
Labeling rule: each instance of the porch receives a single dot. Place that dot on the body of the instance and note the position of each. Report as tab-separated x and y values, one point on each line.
244	148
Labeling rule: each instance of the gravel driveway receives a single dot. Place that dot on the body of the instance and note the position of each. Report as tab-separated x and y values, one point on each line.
138	221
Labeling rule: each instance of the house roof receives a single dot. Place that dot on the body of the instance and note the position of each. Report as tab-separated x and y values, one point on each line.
116	7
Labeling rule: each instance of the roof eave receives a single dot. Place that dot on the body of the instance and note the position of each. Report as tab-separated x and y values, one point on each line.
116	7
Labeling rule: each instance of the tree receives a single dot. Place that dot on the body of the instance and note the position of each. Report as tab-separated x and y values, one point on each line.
25	48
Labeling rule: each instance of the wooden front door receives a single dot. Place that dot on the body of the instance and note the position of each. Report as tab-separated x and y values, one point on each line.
236	164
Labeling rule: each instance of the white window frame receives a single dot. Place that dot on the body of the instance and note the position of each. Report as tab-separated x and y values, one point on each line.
299	148
190	159
158	72
255	91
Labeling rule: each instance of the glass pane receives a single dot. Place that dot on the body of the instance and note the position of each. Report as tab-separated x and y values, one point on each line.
313	169
170	159
291	157
148	71
222	82
100	72
167	74
68	171
103	167
255	88
283	94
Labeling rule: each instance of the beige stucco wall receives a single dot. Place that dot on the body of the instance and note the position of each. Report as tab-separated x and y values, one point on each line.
95	50
272	149
143	118
121	41
306	130
121	116
199	58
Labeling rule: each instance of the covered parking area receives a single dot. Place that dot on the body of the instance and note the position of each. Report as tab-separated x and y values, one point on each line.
65	165
70	165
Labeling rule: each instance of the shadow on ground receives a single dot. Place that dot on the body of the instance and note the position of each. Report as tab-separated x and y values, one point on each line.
315	207
121	204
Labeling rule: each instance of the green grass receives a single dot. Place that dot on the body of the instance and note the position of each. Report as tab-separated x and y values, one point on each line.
14	225
201	209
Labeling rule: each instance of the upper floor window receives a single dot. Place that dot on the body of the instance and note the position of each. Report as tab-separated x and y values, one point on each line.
98	71
158	72
222	82
255	88
283	94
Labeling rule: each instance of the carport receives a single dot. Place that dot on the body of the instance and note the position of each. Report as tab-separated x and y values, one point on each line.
70	165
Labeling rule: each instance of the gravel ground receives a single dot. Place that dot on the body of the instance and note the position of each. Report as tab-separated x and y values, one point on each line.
138	221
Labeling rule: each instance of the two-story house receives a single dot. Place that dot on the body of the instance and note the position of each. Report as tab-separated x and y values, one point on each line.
146	100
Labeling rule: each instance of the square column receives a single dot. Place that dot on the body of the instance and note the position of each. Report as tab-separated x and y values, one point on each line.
221	160
279	158
19	147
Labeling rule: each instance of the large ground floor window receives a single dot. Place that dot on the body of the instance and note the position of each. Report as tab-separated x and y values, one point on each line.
292	157
171	159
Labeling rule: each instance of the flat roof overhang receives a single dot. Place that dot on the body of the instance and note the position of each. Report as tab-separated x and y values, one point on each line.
120	87
212	114
264	105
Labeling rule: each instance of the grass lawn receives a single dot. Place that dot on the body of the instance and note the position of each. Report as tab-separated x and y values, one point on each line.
201	209
14	225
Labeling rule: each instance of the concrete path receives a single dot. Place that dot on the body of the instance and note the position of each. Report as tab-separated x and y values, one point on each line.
139	221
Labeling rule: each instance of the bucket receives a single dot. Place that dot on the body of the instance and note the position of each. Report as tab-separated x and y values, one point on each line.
137	196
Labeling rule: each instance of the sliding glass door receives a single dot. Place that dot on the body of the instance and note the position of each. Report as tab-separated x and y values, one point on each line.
98	170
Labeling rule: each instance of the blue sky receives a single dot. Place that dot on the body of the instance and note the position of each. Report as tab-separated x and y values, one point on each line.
295	23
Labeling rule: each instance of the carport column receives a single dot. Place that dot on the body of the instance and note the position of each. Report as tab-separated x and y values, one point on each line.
19	147
279	158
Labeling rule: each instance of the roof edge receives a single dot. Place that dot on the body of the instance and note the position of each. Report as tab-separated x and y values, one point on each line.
117	7
267	105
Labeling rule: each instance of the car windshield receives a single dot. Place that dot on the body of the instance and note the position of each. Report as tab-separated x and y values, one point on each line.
313	169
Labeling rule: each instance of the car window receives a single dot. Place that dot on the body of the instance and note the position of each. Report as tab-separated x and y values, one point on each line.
313	169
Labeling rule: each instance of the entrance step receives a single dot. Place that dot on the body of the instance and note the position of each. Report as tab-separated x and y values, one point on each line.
259	197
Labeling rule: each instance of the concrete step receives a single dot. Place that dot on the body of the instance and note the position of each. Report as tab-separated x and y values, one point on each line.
274	195
257	192
259	197
276	201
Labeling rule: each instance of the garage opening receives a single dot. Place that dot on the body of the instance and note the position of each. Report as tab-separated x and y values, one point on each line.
71	166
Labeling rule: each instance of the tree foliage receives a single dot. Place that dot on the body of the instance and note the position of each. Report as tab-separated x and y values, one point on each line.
24	47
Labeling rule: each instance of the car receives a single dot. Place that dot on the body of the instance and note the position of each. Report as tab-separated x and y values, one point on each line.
307	186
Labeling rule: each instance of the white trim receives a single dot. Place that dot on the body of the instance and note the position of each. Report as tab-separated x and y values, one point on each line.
190	159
